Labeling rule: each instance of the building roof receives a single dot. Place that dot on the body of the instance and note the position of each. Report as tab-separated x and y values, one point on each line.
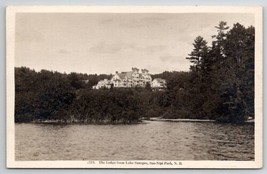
121	75
129	75
160	80
144	70
135	69
125	75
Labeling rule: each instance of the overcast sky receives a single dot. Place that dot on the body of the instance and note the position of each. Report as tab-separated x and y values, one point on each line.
105	43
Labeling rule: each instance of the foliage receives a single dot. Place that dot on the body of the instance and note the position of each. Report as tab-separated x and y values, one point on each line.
226	74
219	85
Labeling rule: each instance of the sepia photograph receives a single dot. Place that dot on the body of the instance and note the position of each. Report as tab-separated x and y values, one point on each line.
134	87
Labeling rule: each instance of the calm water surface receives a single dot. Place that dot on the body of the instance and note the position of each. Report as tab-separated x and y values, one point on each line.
153	140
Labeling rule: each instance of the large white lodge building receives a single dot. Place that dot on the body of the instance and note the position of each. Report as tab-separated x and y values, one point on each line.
130	79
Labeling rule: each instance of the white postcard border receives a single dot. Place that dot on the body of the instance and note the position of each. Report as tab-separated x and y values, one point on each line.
10	88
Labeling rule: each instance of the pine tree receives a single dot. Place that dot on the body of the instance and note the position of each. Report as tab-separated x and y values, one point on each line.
198	53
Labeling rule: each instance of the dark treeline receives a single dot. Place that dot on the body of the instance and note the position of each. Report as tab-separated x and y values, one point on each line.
52	96
45	95
219	85
222	76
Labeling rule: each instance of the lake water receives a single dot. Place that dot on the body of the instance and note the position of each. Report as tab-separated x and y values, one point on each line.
152	140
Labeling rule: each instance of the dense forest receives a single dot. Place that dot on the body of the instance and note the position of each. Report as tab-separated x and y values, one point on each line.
219	85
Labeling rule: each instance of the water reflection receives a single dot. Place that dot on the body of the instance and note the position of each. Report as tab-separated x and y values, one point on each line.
151	141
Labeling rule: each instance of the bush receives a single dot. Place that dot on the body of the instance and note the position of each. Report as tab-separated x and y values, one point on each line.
114	106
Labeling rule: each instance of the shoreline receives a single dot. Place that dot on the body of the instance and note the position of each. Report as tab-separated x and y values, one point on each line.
142	121
180	120
189	120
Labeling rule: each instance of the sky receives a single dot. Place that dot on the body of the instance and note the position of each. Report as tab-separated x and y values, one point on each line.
102	43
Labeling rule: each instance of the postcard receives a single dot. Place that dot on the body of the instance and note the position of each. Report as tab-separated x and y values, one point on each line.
134	86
